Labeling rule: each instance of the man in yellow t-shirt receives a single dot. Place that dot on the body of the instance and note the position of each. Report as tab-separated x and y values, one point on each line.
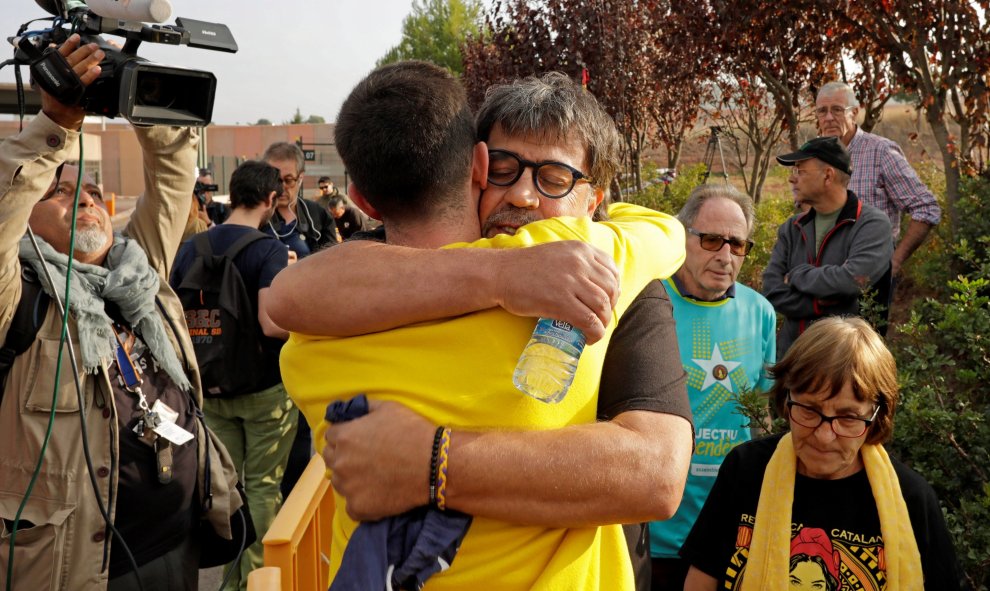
541	480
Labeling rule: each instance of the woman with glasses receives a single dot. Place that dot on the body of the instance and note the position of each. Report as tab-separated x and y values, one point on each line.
837	386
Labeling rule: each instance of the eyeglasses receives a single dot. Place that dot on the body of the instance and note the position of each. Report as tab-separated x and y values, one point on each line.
324	187
291	181
799	172
552	179
845	426
715	242
835	110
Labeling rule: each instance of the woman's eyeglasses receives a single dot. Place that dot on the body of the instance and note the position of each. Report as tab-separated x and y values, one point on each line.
845	426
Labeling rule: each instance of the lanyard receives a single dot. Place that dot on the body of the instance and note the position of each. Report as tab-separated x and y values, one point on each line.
150	421
128	371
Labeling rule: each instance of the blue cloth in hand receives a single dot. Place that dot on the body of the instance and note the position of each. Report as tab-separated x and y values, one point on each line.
399	552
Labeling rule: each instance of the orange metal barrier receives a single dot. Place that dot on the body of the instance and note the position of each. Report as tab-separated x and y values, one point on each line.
298	541
268	578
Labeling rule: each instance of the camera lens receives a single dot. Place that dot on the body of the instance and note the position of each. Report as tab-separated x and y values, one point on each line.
152	91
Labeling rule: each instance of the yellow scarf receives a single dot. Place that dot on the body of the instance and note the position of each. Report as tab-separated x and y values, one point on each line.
769	553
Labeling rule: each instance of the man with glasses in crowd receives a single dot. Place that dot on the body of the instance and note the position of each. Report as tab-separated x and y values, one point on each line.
826	257
883	178
727	337
540	480
881	175
325	189
304	226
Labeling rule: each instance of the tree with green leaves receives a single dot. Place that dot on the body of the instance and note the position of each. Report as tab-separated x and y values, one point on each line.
435	30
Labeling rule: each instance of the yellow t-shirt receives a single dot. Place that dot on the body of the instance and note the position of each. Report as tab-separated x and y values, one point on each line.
458	372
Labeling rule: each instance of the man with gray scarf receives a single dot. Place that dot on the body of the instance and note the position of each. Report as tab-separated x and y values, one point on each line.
128	471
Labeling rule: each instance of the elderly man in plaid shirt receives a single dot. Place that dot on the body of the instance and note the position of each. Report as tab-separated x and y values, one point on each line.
881	175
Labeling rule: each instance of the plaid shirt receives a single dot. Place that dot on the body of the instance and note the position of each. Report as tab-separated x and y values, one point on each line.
883	178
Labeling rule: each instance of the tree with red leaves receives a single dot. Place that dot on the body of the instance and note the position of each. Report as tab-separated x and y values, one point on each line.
786	45
745	109
939	49
639	71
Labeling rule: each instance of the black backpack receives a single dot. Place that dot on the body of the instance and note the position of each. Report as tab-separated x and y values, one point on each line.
26	322
222	319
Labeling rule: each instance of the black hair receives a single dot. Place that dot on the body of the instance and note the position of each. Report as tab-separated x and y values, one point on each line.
406	134
252	183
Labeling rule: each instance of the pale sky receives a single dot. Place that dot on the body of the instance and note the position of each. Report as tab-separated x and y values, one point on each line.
292	53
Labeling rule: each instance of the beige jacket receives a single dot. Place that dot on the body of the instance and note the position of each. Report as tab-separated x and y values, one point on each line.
66	547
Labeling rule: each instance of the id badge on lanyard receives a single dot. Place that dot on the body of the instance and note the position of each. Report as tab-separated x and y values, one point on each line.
150	421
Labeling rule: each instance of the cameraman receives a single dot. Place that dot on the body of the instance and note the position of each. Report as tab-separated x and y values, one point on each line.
204	188
156	489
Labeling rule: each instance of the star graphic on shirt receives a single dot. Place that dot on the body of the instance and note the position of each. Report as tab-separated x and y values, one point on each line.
717	370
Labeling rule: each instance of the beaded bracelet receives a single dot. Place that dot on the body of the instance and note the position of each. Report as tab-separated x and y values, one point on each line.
441	473
434	458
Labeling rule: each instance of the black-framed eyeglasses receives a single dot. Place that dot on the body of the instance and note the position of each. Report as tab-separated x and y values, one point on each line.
844	426
835	110
552	179
714	243
291	181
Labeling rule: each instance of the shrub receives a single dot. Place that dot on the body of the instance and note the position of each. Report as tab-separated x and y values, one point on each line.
771	212
942	428
668	198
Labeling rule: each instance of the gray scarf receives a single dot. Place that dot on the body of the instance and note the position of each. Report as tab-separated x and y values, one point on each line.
129	282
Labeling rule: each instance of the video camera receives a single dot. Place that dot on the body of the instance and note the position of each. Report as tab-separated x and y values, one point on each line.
128	85
200	190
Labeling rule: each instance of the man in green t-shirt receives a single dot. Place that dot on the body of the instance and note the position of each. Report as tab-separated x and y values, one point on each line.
825	258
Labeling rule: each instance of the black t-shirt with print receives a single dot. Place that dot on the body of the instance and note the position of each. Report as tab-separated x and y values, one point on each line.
836	519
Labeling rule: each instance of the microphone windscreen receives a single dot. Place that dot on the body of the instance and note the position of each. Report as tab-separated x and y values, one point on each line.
148	11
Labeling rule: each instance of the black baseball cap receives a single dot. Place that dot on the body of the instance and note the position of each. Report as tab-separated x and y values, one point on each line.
827	149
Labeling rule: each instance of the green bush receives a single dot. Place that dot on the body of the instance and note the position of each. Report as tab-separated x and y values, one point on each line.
930	266
668	198
942	429
770	214
943	358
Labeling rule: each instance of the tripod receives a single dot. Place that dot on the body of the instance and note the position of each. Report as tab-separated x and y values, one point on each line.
714	144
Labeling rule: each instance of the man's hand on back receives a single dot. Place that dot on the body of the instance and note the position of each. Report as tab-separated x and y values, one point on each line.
380	463
570	281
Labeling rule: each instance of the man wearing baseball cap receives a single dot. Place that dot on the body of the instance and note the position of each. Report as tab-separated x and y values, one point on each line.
826	257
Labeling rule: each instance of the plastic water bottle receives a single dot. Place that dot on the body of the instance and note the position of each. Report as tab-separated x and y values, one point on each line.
547	364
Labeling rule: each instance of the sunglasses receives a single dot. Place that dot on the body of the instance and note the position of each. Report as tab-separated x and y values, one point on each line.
715	242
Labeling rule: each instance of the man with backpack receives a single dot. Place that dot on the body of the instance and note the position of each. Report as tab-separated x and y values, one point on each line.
222	277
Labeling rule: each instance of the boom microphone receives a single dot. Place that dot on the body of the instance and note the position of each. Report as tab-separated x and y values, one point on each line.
147	11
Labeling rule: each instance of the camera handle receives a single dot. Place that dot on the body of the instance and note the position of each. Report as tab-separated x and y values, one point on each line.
53	73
